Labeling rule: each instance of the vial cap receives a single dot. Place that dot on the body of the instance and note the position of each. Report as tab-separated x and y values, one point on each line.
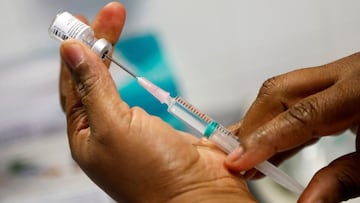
102	47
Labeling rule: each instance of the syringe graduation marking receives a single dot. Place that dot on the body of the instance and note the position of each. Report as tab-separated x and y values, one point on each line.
227	132
193	109
205	117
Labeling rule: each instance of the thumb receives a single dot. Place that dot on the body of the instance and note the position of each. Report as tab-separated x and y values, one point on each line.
96	89
335	183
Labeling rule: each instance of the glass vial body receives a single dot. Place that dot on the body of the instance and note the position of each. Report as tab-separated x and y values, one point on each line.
66	26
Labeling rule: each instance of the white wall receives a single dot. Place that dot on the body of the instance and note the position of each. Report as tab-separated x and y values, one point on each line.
220	44
235	45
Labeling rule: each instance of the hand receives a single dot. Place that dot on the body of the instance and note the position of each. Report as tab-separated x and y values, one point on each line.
294	110
131	155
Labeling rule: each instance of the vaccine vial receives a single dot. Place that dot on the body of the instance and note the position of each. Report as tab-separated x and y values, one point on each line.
66	26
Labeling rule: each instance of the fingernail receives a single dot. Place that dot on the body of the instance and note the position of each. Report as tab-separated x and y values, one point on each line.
72	54
235	155
108	4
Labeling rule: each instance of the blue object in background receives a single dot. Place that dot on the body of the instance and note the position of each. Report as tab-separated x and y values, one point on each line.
144	53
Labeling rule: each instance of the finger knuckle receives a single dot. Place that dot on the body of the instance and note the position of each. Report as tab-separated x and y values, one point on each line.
270	86
303	112
86	87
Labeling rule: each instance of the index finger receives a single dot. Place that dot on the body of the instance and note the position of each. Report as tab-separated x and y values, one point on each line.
279	93
109	22
314	116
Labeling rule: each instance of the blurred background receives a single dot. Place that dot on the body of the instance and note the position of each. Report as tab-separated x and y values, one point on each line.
214	53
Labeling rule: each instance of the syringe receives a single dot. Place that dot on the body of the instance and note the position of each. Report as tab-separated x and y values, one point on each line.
66	26
215	132
210	129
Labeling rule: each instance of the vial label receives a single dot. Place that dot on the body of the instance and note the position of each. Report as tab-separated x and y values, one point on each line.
66	26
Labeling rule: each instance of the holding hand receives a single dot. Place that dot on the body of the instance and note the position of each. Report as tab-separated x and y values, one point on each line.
294	110
128	153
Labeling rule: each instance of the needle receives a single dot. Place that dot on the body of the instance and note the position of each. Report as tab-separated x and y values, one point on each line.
121	66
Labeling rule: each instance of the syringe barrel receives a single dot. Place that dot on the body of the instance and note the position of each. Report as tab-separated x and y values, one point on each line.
177	108
225	139
222	137
203	124
66	26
